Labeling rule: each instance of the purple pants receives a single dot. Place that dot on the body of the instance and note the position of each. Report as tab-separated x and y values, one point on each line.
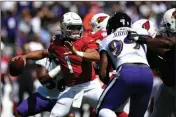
134	82
35	104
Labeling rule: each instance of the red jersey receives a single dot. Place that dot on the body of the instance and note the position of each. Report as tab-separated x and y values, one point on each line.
75	70
99	35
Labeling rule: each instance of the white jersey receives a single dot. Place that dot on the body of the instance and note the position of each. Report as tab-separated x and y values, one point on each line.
53	93
121	50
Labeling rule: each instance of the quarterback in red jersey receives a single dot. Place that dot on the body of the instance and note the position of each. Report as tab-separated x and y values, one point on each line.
75	69
75	55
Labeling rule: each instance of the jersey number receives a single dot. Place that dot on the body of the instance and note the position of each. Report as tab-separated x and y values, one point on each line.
115	47
69	64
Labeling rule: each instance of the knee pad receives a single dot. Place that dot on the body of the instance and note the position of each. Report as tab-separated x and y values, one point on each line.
106	113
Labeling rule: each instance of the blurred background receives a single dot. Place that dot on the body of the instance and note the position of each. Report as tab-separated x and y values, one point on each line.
27	26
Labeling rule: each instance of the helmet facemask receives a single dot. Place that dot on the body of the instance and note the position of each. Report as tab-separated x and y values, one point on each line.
168	24
165	29
72	31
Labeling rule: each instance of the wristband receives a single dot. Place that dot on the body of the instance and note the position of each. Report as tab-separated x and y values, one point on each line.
54	71
80	54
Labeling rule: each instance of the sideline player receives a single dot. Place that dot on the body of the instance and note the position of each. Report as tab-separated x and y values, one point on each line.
129	60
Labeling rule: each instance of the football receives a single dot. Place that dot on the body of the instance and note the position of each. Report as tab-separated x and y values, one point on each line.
16	67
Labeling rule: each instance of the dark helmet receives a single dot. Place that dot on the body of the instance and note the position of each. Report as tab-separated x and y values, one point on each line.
117	20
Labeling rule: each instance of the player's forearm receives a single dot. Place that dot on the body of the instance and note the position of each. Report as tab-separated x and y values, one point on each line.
158	42
158	46
102	74
104	77
36	55
89	56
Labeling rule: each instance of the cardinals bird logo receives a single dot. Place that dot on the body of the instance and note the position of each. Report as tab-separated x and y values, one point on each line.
146	25
174	14
100	19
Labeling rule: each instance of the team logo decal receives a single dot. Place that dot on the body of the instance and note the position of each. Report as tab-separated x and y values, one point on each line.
146	25
100	19
174	14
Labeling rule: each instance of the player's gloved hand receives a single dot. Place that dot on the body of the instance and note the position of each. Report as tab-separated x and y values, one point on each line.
50	84
60	37
53	56
61	85
70	47
132	35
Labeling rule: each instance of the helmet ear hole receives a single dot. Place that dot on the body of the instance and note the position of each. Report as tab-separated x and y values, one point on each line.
168	25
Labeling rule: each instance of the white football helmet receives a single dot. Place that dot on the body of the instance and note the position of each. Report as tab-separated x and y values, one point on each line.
145	27
99	21
168	23
71	25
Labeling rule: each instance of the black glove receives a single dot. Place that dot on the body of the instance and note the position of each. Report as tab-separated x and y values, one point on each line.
141	39
61	85
50	84
132	35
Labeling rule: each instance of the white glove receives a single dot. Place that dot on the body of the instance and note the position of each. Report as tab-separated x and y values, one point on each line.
152	32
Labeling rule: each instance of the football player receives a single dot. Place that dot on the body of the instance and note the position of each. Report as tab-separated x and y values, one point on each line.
82	85
48	73
98	23
165	98
161	56
133	77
